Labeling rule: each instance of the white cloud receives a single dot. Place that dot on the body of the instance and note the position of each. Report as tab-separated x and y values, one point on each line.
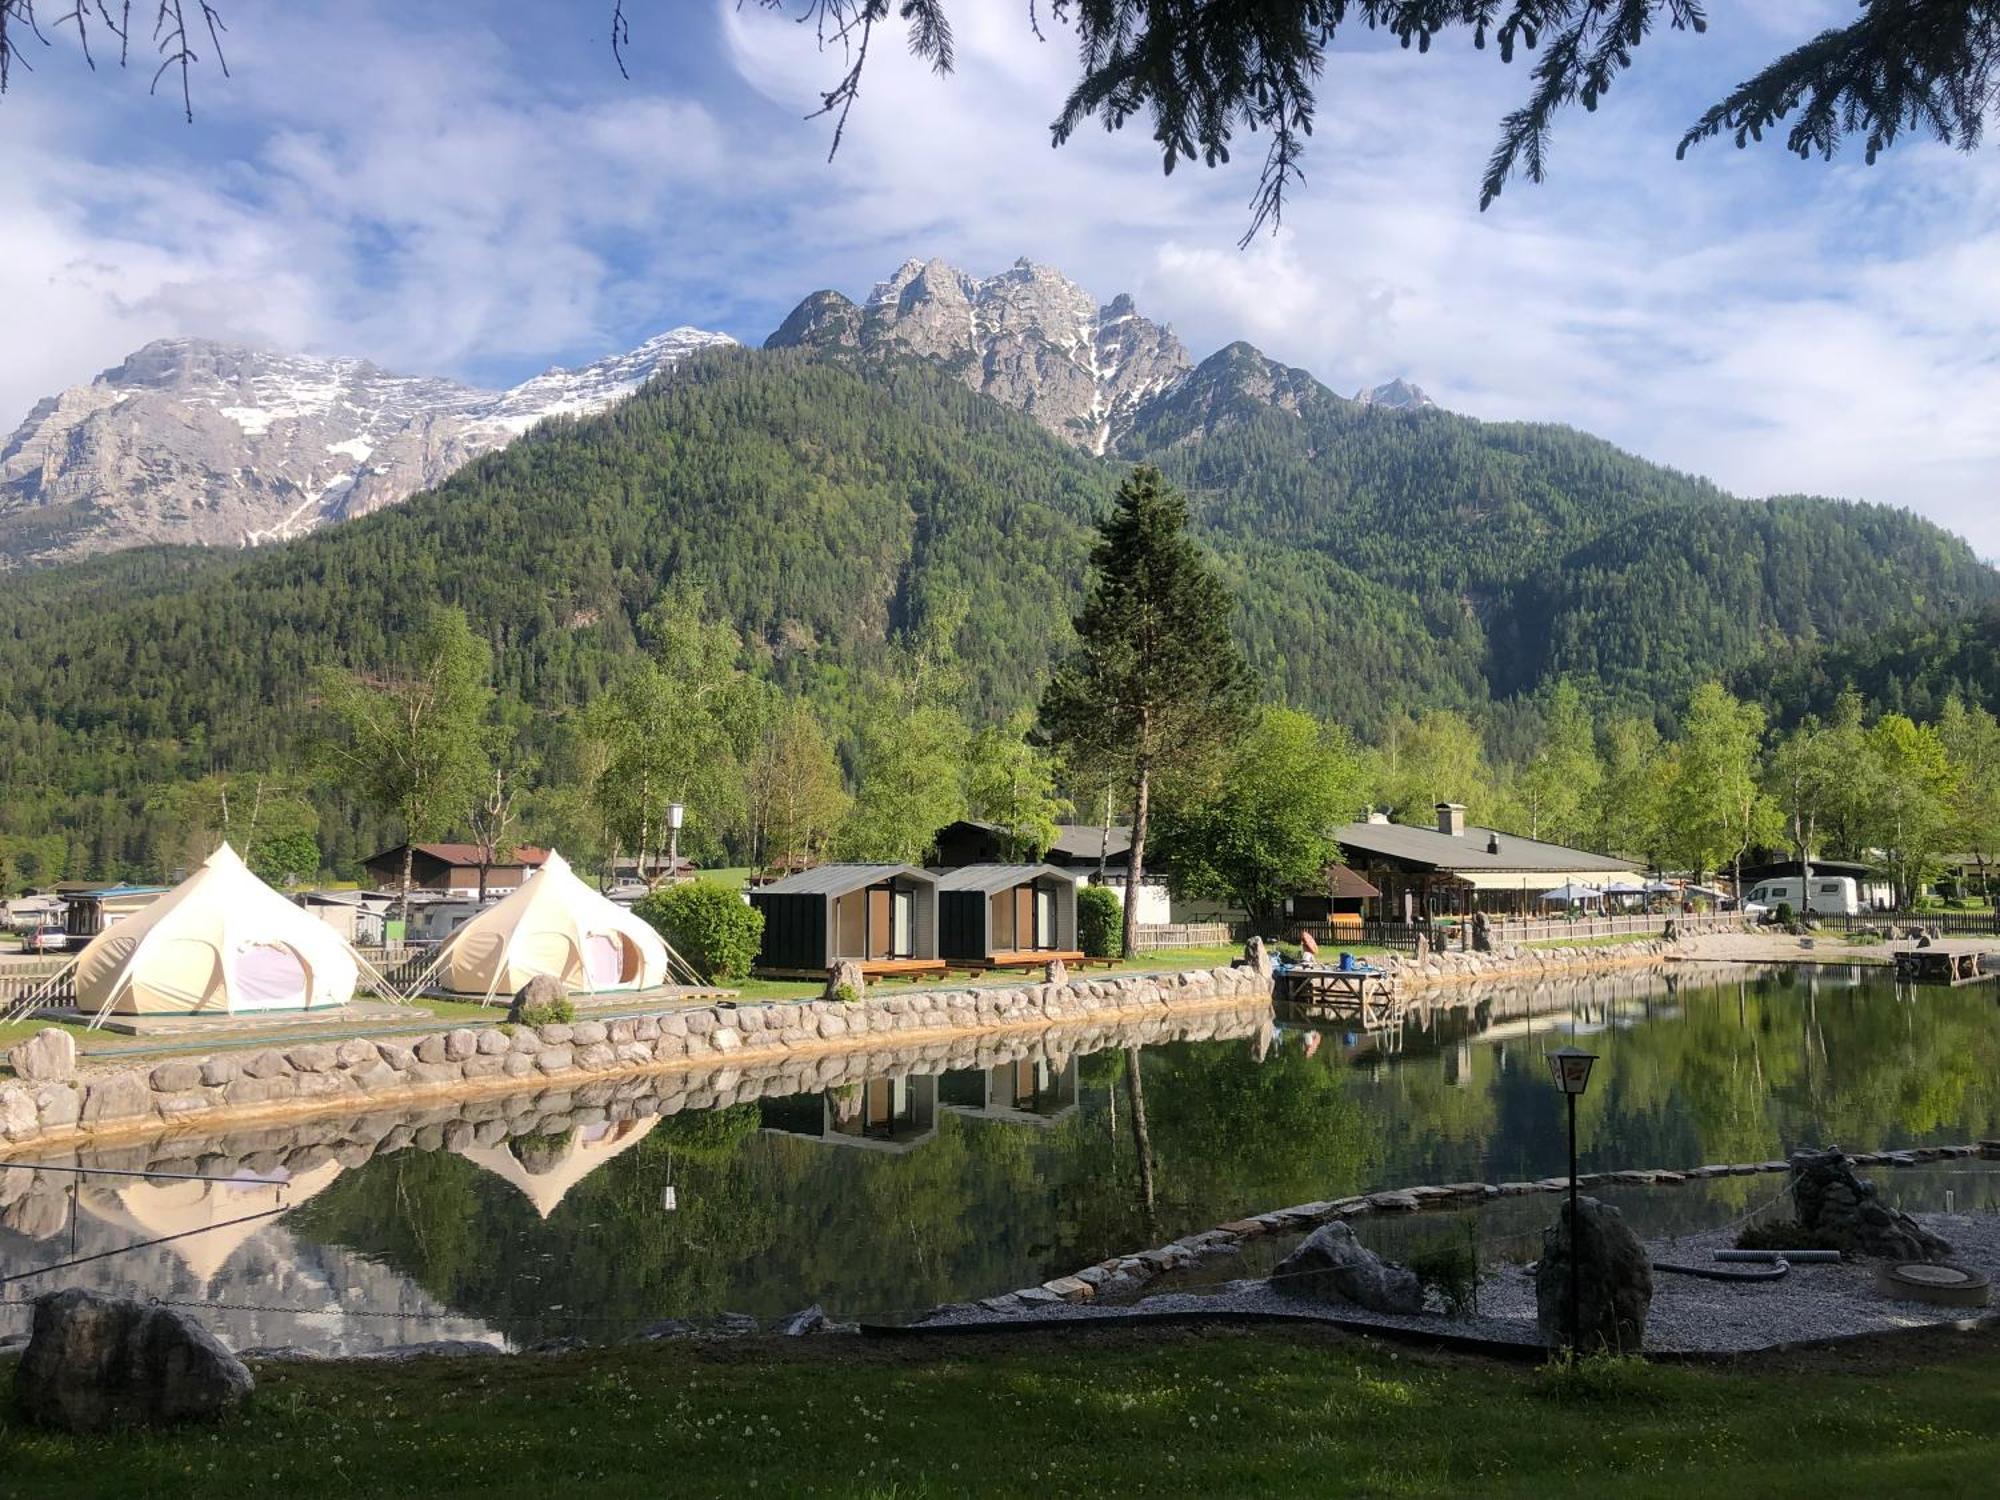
472	202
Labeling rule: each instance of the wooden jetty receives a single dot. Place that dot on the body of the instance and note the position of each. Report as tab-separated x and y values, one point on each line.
1942	965
1360	994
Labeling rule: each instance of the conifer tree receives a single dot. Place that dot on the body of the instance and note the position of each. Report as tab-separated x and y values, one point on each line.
1156	685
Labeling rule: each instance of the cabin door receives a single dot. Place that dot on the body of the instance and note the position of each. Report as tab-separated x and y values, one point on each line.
903	921
1045	918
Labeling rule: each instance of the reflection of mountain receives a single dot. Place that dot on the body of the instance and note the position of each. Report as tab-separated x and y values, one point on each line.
882	1114
546	1171
209	1220
255	1286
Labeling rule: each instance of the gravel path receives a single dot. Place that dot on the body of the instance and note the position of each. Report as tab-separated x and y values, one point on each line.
1689	1313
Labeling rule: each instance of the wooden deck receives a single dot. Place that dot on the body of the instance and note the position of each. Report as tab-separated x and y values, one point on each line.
1020	958
871	968
1941	966
1359	995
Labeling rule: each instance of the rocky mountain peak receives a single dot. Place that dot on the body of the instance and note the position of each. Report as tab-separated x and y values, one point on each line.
1028	336
191	440
1396	395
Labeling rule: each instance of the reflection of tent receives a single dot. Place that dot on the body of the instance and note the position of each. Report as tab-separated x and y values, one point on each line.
555	925
221	940
545	1184
153	1208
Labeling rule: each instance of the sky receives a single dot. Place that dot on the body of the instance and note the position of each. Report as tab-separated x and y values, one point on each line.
477	192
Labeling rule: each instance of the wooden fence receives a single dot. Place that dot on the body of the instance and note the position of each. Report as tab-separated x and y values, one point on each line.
1153	936
1455	933
20	978
1950	923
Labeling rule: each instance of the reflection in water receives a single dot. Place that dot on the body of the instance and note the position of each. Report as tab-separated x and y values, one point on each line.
989	1163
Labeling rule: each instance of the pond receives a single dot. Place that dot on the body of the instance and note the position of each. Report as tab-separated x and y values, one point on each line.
880	1185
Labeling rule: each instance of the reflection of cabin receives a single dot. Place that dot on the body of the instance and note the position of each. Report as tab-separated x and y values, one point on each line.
1005	915
1029	1091
882	1114
884	917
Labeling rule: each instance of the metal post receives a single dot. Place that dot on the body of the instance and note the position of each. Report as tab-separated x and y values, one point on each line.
1575	1318
674	855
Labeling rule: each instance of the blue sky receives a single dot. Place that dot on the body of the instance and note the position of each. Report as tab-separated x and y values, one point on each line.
478	193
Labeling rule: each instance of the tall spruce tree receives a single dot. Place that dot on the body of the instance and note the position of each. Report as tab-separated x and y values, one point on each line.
1156	686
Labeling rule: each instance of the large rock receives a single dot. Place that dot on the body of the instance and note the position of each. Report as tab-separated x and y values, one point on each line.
847	975
49	1056
1614	1281
1258	958
98	1362
541	991
1330	1265
1843	1209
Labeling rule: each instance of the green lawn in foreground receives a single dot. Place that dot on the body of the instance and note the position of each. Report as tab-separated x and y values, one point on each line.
1209	1412
1615	940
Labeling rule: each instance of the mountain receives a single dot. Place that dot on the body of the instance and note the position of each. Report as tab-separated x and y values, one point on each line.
1910	668
825	500
193	441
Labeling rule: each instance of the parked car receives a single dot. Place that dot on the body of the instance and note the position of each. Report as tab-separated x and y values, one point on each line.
45	940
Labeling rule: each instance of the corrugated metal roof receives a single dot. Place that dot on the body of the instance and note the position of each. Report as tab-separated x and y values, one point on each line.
998	877
1442	851
838	880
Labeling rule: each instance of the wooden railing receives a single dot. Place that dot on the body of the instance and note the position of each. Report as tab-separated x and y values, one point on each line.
22	977
1950	923
1456	932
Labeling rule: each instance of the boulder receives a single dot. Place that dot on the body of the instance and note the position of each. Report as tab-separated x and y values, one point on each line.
846	975
97	1362
810	1320
1844	1210
1057	972
542	990
1330	1265
49	1056
1257	957
1614	1281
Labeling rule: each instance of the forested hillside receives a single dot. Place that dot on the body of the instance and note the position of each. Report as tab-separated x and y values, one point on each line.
1909	669
1378	560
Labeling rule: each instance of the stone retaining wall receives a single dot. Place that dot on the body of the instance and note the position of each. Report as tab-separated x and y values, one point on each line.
321	1077
1125	1275
1455	966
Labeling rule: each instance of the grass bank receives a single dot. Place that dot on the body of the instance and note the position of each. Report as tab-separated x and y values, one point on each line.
1166	1412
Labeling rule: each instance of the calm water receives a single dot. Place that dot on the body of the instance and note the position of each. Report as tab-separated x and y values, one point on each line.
881	1186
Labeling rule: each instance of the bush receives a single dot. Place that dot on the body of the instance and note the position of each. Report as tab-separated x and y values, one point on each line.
711	926
1786	916
554	1011
1100	922
1449	1266
846	995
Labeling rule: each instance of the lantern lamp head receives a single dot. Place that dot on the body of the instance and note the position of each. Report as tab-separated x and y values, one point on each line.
1571	1068
675	813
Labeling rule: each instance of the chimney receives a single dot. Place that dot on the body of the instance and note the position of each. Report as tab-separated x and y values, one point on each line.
1451	819
1377	816
1492	843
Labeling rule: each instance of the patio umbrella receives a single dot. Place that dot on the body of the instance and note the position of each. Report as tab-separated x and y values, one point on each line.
1569	895
1627	888
1661	888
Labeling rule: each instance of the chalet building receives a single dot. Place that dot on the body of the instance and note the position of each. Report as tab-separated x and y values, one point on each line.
884	917
1457	867
1079	848
454	869
1007	915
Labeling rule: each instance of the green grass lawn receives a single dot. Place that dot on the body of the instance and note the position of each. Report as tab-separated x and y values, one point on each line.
1209	1412
1615	940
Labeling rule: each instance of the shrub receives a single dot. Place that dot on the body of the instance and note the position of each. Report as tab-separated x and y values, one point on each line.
1786	916
1449	1266
846	995
711	926
1100	922
556	1010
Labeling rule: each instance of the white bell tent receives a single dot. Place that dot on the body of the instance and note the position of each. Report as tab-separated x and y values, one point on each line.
221	941
556	925
205	1221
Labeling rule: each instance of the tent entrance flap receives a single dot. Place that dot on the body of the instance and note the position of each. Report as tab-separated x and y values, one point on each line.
271	976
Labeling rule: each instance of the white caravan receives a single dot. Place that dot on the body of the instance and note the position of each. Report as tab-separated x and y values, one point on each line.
1832	895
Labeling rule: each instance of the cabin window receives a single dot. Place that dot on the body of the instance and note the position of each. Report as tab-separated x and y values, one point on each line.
1045	917
902	919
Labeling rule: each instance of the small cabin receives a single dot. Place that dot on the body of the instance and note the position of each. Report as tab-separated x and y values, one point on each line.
1027	1091
1002	916
883	917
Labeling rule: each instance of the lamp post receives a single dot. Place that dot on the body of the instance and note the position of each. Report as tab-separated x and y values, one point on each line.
675	813
1571	1067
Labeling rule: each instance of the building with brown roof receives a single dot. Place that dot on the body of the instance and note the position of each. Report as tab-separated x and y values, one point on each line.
454	868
